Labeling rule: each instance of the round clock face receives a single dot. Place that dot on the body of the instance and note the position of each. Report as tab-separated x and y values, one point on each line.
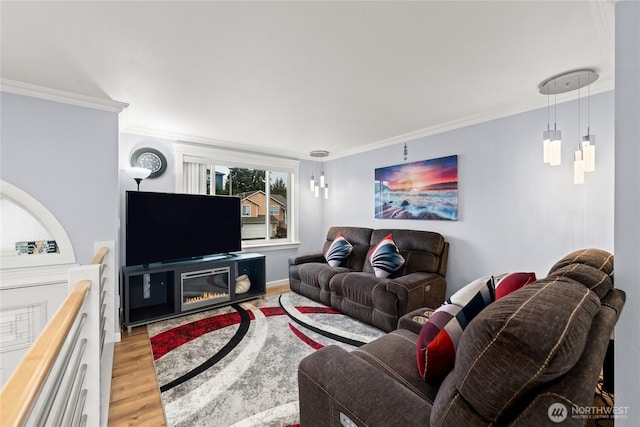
151	159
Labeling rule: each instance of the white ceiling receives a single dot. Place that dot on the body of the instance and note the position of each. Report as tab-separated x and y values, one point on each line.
291	77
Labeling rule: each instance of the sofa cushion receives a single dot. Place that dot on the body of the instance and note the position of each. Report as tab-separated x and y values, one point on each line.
439	337
338	251
385	257
596	258
509	350
591	267
512	282
594	279
390	353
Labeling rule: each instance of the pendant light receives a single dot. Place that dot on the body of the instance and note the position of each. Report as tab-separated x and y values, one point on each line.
552	139
589	140
584	157
316	185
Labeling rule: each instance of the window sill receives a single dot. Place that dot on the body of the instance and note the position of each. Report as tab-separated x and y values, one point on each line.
271	246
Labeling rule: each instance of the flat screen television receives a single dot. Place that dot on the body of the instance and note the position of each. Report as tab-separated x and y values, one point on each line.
163	227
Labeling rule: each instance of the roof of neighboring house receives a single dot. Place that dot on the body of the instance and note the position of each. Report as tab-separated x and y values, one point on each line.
275	197
280	199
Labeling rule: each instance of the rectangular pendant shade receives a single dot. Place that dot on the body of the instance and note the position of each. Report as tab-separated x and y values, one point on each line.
578	167
589	150
552	147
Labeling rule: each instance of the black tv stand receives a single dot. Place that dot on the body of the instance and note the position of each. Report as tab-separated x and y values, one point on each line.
158	291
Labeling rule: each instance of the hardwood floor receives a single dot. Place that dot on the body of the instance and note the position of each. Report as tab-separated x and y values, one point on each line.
135	397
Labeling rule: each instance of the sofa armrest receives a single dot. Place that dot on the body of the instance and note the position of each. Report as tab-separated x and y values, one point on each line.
302	259
333	383
407	322
419	289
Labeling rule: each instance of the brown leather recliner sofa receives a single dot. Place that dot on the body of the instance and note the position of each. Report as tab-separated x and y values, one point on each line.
353	288
532	357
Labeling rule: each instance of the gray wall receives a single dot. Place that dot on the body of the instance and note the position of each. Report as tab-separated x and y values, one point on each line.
627	194
66	158
515	212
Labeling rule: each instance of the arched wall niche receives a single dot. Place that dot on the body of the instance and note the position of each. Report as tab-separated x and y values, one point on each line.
48	221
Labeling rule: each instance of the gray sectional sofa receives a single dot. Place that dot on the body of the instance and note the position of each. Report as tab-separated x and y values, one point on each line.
532	357
353	288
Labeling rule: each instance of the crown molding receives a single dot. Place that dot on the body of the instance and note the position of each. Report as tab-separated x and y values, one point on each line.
220	143
27	89
464	122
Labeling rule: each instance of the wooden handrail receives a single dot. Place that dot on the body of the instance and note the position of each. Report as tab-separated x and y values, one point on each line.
23	387
99	256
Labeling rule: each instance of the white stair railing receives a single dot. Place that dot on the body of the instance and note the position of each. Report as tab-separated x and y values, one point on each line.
65	377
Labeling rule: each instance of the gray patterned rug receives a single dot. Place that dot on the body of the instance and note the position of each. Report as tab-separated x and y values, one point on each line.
237	365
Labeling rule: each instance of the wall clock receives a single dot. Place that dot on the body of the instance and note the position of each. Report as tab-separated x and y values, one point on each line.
150	158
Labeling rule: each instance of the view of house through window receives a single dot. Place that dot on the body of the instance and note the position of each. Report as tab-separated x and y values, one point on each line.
263	197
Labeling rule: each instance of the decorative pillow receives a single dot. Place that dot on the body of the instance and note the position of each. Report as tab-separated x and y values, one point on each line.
439	337
385	257
338	251
512	282
436	323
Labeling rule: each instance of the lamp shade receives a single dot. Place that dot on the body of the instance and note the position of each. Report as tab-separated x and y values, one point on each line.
555	148
138	173
578	167
546	147
589	149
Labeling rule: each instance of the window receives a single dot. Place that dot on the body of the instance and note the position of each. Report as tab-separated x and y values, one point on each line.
263	183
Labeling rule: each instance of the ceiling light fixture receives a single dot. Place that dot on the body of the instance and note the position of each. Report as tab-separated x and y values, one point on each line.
314	185
584	157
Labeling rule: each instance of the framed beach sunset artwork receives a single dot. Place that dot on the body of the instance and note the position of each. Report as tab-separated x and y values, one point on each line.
427	189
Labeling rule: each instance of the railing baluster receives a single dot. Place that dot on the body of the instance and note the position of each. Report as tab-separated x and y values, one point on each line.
63	394
74	399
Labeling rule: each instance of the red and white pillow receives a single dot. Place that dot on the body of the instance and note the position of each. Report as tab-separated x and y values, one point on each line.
512	282
439	337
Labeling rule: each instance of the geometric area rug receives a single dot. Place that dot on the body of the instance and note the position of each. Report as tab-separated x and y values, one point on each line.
237	365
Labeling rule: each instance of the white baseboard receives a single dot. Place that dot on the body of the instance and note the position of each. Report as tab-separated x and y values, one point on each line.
278	282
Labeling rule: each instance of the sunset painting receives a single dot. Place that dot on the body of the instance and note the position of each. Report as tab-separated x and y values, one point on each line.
426	189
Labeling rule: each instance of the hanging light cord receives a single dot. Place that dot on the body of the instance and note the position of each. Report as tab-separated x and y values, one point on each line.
589	106
548	111
555	106
579	139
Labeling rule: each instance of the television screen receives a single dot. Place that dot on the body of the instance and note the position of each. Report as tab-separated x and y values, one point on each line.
165	227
